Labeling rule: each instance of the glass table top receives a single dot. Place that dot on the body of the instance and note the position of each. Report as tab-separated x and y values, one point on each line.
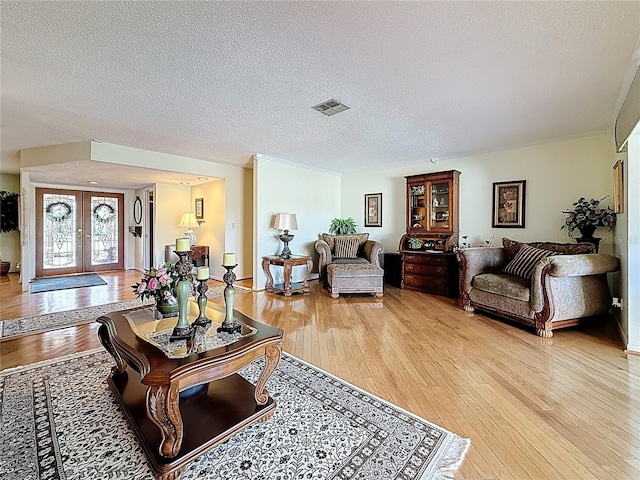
158	332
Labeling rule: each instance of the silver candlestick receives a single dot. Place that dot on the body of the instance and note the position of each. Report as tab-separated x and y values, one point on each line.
229	325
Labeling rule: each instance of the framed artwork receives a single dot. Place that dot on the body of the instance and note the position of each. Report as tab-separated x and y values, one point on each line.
373	210
199	208
618	187
509	204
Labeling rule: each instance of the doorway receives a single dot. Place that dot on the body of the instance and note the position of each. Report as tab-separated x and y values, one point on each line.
78	231
149	244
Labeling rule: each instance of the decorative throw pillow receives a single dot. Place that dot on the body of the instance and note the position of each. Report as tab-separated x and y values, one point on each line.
512	247
346	246
525	261
331	241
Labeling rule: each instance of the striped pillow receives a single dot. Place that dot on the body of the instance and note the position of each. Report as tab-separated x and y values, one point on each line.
525	261
346	246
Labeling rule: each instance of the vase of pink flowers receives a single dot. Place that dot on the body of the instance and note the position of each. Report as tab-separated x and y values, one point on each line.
160	283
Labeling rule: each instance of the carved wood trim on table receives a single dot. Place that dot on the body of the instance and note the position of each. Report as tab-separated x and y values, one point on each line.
208	379
163	410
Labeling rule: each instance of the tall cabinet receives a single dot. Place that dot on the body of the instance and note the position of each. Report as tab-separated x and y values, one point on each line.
428	262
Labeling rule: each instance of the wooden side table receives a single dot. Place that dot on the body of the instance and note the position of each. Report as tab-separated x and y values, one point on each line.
287	288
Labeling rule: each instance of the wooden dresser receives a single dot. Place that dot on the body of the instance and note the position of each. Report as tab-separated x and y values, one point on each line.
435	273
428	262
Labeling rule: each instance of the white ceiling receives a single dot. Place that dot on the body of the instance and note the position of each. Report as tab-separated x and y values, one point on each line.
222	80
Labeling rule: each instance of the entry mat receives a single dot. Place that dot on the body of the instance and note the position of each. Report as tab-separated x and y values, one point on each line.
50	284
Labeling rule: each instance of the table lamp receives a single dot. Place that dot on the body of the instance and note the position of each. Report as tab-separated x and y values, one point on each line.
286	222
188	220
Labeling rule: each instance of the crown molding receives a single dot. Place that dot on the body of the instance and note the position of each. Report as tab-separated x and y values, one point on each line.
260	156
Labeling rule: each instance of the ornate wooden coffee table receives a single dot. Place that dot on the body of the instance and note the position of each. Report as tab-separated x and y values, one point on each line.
183	399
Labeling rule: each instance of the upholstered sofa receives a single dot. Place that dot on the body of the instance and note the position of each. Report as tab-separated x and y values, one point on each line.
350	264
545	285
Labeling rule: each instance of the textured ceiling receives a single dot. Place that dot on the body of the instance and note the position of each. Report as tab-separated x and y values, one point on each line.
222	80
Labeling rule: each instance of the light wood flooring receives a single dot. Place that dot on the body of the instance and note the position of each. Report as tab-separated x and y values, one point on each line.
562	408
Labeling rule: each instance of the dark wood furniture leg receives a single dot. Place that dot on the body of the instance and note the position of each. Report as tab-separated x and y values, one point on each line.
305	282
163	409
105	339
287	279
272	356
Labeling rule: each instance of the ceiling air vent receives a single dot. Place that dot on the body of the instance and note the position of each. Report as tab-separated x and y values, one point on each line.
330	107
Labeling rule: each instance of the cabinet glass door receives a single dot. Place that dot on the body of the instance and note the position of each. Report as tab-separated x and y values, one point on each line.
417	207
440	202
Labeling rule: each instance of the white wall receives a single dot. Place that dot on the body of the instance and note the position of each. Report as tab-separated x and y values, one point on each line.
237	192
10	241
631	261
211	232
138	242
170	202
557	174
53	154
313	195
619	285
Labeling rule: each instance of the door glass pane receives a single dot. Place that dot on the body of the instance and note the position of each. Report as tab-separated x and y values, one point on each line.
59	231
417	207
440	205
104	230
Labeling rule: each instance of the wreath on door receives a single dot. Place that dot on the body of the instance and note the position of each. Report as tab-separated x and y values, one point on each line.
103	212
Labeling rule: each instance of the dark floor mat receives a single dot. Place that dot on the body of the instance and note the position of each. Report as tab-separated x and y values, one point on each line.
50	284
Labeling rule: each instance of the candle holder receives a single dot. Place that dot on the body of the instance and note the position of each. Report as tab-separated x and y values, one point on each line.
183	268
229	325
202	320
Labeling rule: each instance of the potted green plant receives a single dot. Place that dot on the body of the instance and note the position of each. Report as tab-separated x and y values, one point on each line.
8	220
342	226
415	243
586	216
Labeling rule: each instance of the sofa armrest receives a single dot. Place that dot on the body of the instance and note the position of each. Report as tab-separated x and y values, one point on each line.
372	251
579	265
478	260
325	258
583	264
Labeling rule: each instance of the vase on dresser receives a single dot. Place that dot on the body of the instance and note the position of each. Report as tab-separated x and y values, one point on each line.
587	236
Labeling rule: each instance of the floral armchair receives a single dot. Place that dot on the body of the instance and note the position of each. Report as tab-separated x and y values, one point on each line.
544	285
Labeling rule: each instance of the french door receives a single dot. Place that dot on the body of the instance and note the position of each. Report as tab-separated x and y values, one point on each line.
78	231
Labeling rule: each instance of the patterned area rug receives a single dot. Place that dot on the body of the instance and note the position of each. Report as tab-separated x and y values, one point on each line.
59	420
53	321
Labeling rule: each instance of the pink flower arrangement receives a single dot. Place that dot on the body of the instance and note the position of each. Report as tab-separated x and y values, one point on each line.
158	283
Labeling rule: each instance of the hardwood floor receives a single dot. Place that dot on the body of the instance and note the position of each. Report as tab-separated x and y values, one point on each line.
561	408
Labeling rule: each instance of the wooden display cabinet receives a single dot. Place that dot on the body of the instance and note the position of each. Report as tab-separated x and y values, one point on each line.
428	262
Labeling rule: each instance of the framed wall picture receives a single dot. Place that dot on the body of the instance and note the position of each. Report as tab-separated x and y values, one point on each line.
199	208
618	187
509	204
373	210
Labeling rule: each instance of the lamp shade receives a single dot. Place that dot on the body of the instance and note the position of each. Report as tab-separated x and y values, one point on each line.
285	221
188	220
